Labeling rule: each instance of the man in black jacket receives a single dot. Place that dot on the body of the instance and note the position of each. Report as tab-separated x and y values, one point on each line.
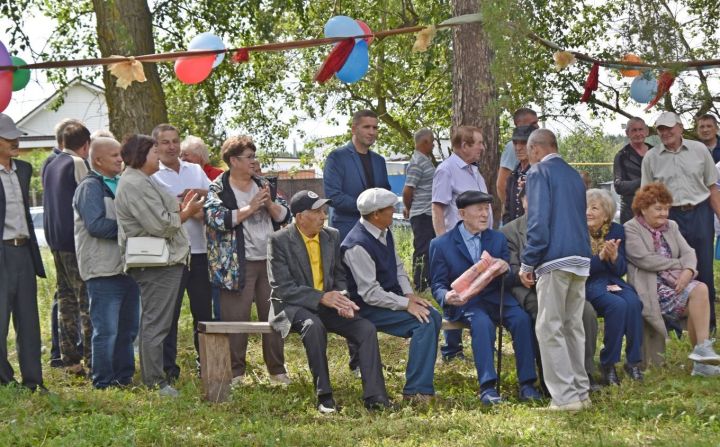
20	262
626	167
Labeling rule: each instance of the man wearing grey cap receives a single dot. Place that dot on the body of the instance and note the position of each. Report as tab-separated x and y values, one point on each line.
687	169
20	262
380	287
308	285
513	207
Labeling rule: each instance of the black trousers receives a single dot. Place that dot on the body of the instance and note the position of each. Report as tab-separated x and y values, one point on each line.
423	233
313	328
18	299
697	227
197	283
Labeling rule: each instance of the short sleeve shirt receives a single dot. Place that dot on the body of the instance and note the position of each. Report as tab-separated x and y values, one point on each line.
419	176
508	159
452	178
687	173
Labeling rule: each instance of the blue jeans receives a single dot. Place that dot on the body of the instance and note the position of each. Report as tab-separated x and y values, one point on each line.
622	312
115	315
420	370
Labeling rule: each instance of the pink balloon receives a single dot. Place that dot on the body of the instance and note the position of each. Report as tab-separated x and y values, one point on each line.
6	78
366	30
193	70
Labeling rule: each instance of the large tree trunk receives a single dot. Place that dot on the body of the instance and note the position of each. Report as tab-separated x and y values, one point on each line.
124	28
474	90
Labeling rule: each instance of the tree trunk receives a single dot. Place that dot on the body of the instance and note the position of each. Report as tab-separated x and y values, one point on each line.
474	91
124	28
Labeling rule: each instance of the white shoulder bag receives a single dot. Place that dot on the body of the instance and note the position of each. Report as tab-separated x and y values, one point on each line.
146	252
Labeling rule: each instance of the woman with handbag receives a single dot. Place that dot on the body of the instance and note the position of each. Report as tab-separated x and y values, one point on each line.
156	249
241	211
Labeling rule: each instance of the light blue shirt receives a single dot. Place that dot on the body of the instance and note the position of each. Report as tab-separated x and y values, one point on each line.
508	159
472	242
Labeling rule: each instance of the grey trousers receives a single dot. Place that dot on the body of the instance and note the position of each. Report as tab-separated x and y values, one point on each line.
18	299
158	291
560	333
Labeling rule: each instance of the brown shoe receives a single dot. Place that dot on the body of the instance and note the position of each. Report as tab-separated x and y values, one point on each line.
76	369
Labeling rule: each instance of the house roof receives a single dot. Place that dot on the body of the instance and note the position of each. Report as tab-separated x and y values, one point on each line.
43	105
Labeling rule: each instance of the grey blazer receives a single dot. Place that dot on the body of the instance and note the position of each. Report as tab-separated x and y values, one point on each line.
515	232
289	270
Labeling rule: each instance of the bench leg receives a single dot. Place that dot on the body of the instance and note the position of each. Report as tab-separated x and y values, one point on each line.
215	366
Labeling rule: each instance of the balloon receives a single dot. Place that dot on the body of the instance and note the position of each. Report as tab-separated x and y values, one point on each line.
643	88
342	26
20	77
356	65
208	41
366	30
192	70
6	80
4	55
630	72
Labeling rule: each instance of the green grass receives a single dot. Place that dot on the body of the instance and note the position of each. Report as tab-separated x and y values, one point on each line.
669	408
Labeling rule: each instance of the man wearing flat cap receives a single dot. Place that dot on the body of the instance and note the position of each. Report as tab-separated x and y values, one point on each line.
687	169
450	256
380	287
308	285
20	263
513	207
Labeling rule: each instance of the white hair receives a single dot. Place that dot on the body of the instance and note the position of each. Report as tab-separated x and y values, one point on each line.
97	144
197	146
604	199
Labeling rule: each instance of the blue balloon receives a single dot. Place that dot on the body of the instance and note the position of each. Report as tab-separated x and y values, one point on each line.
342	26
643	88
356	65
208	41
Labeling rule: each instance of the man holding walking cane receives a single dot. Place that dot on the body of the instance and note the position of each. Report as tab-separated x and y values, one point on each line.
471	248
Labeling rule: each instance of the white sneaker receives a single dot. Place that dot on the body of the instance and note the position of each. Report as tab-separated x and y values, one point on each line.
703	370
356	372
571	407
280	379
237	381
168	391
704	353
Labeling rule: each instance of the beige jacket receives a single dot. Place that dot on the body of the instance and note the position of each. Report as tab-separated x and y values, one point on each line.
643	267
145	209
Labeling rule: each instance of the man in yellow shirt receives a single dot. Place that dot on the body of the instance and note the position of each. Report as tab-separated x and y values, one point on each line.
308	291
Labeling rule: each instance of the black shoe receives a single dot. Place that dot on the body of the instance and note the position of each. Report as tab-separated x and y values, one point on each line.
633	371
326	404
379	404
56	363
450	358
609	375
594	386
40	389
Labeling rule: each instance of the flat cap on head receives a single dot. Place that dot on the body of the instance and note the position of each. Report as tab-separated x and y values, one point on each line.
374	199
471	198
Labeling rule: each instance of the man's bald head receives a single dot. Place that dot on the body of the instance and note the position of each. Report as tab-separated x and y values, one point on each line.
105	156
541	143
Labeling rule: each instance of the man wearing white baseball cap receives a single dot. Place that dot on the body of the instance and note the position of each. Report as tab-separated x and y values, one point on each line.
379	285
20	263
687	169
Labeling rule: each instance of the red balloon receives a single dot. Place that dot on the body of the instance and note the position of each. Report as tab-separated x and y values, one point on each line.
366	30
193	70
6	79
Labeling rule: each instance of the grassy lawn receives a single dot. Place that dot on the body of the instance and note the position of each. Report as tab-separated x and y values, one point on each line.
669	408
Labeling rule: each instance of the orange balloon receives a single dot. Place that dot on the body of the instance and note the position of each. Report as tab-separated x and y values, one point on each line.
630	72
193	70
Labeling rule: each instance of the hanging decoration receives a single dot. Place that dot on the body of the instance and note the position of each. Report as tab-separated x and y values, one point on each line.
127	72
644	87
349	59
591	83
665	81
563	59
423	39
6	78
630	73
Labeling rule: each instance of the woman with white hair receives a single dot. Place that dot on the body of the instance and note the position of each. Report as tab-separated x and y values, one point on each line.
610	296
194	150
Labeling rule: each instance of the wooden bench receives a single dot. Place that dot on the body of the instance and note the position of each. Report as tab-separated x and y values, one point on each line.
215	352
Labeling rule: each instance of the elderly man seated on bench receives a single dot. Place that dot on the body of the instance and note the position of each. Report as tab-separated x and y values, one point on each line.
381	288
308	280
450	256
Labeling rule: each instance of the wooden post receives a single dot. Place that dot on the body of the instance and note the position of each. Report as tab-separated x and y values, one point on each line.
215	366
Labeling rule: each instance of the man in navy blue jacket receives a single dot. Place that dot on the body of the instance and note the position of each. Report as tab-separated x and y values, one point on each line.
351	169
558	253
450	256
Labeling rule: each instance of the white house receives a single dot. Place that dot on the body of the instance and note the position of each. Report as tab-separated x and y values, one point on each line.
82	100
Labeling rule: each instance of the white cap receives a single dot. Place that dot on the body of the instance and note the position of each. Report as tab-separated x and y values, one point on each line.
374	199
667	119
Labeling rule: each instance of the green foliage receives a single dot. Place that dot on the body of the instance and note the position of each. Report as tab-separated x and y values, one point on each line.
36	159
591	146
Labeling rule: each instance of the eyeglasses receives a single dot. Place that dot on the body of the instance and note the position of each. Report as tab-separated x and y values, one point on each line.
249	157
